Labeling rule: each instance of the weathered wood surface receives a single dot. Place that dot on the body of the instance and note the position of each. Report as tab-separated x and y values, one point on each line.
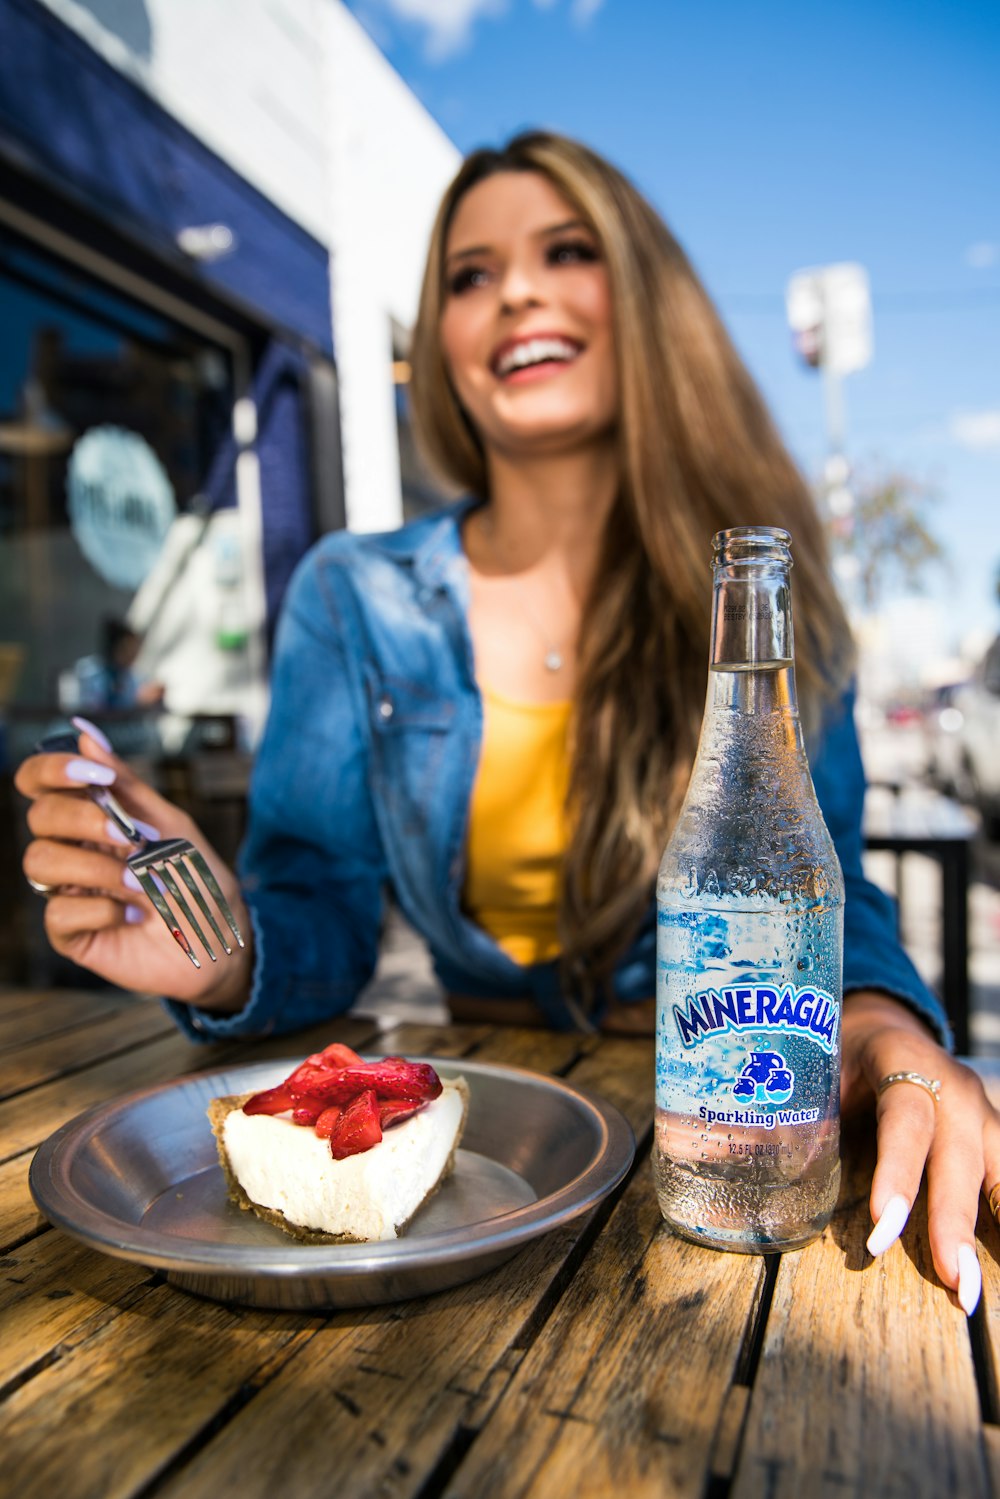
606	1358
866	1383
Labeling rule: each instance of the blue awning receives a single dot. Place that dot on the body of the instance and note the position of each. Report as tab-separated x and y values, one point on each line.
66	111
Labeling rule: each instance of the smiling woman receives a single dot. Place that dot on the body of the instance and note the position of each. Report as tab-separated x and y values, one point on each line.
526	327
495	709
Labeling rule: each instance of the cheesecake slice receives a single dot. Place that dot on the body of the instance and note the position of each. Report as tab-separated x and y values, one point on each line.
297	1169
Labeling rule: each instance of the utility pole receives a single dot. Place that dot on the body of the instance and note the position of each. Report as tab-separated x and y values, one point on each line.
829	313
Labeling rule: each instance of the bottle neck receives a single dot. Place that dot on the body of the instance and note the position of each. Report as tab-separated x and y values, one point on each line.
751	616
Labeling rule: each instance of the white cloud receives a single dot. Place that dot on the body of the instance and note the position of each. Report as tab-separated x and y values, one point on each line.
447	23
982	254
976	429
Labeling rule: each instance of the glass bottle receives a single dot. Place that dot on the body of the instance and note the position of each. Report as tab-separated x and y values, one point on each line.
749	942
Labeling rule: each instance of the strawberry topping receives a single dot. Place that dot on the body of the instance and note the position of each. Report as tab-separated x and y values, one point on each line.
349	1101
326	1121
358	1127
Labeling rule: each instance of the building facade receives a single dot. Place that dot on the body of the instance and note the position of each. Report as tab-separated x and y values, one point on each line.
213	215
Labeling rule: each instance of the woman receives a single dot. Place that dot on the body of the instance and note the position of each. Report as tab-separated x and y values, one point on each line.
496	708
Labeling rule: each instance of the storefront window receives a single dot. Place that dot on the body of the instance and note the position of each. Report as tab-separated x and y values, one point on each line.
110	418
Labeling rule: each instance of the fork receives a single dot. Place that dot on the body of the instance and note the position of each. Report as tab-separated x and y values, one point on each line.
155	863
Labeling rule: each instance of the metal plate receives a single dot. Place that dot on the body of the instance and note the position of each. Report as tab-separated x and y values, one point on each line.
139	1178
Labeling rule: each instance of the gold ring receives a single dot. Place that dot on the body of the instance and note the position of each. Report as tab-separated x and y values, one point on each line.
39	888
931	1085
994	1200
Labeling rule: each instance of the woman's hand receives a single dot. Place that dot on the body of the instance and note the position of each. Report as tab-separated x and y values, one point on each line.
97	915
957	1138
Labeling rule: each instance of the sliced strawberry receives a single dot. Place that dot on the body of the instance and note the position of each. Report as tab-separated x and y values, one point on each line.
326	1121
271	1101
396	1110
302	1115
336	1055
358	1127
395	1078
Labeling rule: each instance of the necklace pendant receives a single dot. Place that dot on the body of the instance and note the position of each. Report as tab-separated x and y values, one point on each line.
553	661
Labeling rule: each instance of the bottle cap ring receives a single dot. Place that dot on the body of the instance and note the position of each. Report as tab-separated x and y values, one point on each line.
931	1085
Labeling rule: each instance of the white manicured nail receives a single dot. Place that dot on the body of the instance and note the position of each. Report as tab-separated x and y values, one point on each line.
89	773
889	1226
970	1279
86	727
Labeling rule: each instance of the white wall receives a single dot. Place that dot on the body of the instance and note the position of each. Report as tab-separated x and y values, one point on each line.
389	164
244	76
295	96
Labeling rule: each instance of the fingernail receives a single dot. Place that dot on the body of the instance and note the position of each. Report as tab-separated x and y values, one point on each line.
99	737
89	773
970	1279
889	1226
116	835
134	916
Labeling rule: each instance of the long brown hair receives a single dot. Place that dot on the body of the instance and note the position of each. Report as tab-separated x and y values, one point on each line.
698	452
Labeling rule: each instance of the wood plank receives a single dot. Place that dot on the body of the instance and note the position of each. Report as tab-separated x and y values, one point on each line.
20	998
29	1118
431	1040
140	1387
358	1032
26	1016
18	1215
866	1383
43	1059
396	1384
621	1070
53	1291
991	1442
626	1387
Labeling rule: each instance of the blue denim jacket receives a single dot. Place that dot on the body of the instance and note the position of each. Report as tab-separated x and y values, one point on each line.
364	776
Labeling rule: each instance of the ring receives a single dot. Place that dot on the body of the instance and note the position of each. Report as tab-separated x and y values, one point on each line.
994	1200
39	888
931	1085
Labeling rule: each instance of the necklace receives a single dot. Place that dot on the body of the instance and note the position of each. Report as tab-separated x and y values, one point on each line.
553	660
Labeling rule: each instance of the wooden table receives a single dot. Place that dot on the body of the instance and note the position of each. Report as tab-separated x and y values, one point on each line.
608	1357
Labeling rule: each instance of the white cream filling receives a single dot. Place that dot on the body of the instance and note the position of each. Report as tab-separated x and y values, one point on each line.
286	1166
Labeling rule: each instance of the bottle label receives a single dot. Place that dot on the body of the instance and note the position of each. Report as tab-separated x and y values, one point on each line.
804	1012
748	1019
755	1076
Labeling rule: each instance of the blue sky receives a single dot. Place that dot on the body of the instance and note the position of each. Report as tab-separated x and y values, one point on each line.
775	136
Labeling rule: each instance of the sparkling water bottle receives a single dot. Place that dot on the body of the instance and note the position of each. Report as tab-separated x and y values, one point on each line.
749	942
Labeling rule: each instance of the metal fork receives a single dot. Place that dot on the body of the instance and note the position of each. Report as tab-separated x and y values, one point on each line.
155	864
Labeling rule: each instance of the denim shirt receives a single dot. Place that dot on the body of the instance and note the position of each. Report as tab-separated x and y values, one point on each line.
364	776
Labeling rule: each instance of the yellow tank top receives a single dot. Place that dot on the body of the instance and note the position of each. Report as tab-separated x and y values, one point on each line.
517	825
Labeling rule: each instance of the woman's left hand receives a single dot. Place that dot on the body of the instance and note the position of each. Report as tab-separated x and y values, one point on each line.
956	1138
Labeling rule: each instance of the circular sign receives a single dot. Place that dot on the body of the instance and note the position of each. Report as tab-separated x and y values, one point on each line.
121	503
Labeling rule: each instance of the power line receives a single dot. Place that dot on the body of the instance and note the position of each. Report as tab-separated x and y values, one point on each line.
772	304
